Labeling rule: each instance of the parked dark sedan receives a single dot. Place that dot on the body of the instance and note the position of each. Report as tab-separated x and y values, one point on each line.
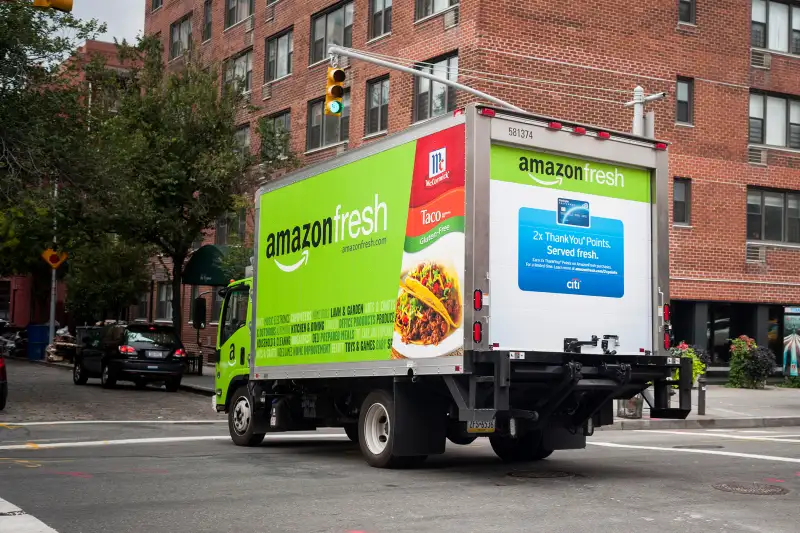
141	353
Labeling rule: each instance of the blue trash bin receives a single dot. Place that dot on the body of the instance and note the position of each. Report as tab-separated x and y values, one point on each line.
38	337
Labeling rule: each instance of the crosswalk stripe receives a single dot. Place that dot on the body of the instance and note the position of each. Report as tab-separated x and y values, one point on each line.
12	518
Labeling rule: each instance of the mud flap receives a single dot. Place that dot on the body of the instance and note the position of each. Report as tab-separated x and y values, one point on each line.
420	418
555	438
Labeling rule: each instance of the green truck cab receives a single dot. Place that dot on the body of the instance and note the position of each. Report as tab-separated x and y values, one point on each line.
233	343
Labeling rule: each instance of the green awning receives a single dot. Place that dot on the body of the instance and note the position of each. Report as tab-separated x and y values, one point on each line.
203	267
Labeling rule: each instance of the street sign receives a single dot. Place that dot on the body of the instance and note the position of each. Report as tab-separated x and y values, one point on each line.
53	258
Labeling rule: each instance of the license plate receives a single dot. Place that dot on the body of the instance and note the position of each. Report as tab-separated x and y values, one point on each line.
155	355
476	426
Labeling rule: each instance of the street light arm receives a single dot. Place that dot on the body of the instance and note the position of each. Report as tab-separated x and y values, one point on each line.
354	54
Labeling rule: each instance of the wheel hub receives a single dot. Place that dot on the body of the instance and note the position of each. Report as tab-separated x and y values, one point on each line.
377	428
241	416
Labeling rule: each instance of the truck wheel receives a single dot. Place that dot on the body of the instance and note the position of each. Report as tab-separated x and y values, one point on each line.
527	447
352	431
376	433
79	374
240	419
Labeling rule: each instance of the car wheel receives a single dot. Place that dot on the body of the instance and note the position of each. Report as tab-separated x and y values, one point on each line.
527	447
352	431
79	373
240	419
107	378
376	433
3	396
173	385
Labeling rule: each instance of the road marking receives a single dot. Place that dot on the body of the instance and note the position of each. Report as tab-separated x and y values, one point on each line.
161	440
70	422
12	518
726	436
690	450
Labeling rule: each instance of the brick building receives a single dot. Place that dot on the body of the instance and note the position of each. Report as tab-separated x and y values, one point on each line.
731	70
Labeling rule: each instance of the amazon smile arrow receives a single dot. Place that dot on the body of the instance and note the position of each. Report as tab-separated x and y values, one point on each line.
291	268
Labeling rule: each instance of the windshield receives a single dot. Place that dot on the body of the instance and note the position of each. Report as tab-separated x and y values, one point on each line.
144	338
234	313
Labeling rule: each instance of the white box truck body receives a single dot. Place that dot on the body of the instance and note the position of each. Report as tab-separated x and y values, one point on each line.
485	273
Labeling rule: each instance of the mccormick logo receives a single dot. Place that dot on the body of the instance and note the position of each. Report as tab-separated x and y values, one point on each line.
437	167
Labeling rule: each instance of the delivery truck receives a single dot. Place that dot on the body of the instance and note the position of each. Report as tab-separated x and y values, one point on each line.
484	274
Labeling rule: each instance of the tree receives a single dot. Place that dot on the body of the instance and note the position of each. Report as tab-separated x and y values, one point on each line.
43	129
106	277
172	163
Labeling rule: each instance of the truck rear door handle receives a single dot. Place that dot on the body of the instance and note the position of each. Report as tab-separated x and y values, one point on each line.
241	356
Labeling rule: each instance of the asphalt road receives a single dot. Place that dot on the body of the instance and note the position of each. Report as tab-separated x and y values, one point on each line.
158	476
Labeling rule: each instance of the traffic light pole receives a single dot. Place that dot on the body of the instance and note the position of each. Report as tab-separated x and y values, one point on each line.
355	54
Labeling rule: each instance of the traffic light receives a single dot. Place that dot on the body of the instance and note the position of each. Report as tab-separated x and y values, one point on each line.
334	91
58	5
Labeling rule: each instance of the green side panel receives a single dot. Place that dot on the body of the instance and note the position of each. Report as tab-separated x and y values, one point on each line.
420	242
538	169
330	252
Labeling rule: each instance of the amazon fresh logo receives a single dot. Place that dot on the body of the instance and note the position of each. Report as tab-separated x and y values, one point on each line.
549	173
340	227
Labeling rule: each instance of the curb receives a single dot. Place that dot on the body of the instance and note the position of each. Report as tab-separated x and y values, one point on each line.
705	423
194	389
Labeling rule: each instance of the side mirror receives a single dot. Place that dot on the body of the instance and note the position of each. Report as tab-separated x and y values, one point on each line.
199	314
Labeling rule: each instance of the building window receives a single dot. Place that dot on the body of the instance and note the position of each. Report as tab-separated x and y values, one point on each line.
164	301
141	307
239	71
684	99
282	122
279	56
238	10
207	20
773	216
230	229
5	299
377	106
329	28
193	295
431	98
686	11
775	26
681	201
325	130
380	20
426	8
774	121
242	138
155	4
180	36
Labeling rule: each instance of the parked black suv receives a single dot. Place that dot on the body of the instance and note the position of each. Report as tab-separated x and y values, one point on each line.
142	353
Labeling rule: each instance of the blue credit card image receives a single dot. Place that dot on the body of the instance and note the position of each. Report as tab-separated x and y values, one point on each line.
573	213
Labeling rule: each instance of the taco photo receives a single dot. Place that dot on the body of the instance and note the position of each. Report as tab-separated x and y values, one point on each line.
429	305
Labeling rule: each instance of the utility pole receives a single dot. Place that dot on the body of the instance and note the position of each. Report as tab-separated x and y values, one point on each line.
640	127
53	281
355	54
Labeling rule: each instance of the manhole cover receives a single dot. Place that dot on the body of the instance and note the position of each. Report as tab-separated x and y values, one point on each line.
756	489
699	447
534	474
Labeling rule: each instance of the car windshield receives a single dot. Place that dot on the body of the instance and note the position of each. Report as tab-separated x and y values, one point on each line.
145	338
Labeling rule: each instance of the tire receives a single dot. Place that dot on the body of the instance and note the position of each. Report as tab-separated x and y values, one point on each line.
172	385
107	378
462	440
352	432
527	447
3	397
376	433
79	373
240	419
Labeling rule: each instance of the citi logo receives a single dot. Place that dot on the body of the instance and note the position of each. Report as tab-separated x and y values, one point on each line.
574	284
437	162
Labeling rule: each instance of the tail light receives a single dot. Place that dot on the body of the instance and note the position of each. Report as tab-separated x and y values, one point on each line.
477	300
2	368
127	349
180	352
487	112
666	312
578	130
667	340
554	125
603	135
477	332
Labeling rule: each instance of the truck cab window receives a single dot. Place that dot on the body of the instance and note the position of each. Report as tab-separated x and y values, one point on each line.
234	314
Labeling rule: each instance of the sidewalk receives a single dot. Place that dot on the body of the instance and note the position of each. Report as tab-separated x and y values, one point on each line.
725	408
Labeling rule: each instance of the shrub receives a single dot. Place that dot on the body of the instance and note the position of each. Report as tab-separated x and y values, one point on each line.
751	365
790	382
698	364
